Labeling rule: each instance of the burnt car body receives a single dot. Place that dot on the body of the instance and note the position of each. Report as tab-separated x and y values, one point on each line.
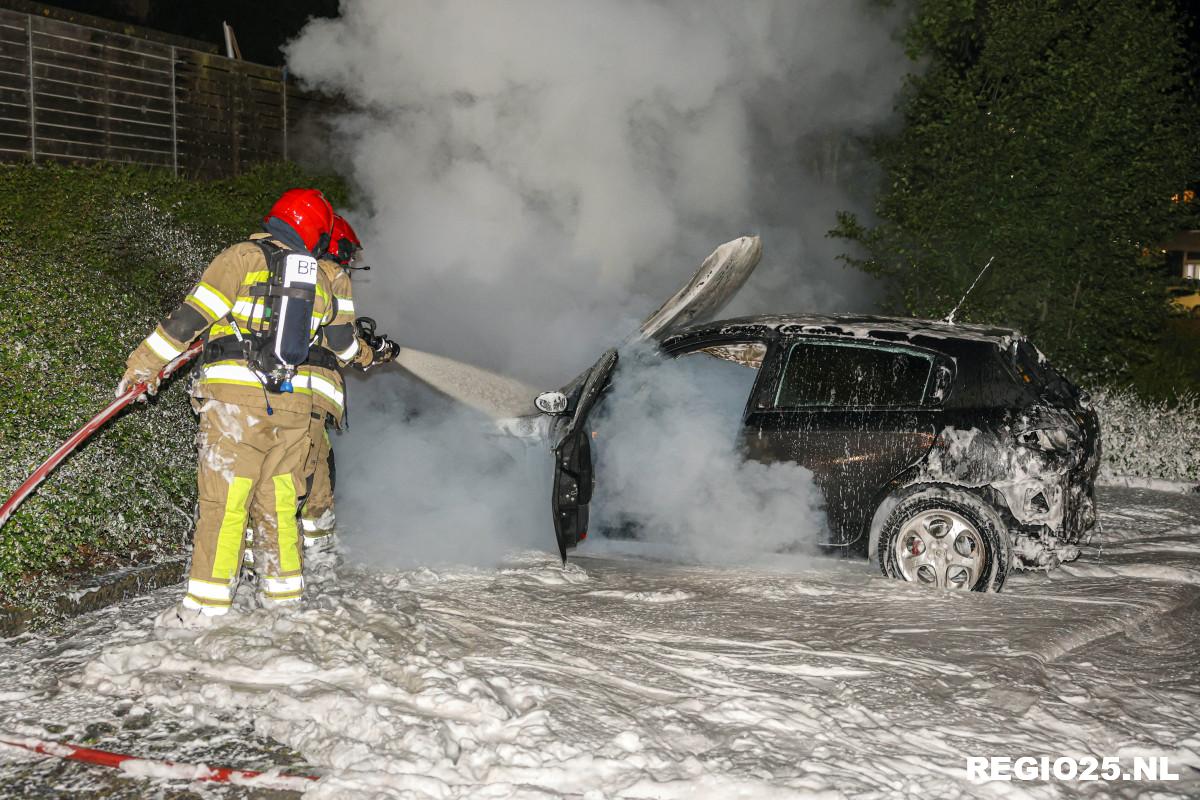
950	453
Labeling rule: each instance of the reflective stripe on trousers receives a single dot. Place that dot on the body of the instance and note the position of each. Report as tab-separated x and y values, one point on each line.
252	470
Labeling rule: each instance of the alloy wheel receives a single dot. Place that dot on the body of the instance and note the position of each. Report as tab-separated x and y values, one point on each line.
940	548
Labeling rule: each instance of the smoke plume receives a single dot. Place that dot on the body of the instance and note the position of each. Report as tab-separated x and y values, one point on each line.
535	176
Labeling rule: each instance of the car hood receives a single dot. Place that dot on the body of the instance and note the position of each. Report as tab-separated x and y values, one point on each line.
710	289
506	399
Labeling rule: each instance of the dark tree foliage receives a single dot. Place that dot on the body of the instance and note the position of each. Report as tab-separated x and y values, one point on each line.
1051	134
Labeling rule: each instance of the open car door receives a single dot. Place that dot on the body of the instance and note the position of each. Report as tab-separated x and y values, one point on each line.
703	297
571	435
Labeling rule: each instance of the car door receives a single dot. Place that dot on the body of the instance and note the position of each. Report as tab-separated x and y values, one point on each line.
571	439
856	413
702	297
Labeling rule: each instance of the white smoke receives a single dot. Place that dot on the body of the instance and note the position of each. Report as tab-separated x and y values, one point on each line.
422	481
668	464
535	176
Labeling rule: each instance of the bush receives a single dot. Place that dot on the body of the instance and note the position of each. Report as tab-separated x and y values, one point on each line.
1149	438
92	258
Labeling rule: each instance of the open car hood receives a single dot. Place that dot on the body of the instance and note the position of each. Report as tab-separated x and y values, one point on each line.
709	290
504	399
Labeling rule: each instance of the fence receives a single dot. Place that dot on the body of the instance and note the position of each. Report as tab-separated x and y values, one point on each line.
69	92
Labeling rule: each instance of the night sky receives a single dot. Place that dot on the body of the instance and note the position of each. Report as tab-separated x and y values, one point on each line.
262	26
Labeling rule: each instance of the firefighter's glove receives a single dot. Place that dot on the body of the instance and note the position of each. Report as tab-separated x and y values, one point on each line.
385	350
133	377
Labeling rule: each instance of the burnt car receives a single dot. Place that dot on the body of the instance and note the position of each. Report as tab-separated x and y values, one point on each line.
949	453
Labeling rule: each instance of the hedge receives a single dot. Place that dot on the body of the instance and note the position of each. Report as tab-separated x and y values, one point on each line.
90	258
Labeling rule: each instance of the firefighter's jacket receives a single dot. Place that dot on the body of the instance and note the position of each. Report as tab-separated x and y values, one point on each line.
333	339
223	297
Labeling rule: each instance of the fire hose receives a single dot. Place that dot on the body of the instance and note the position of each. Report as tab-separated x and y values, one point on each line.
158	768
83	434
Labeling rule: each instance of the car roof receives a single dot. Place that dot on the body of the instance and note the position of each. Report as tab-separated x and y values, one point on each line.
859	326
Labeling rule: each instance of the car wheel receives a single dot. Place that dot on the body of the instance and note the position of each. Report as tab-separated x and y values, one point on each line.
947	538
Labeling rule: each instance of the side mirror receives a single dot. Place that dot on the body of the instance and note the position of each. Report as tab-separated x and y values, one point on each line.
943	380
551	402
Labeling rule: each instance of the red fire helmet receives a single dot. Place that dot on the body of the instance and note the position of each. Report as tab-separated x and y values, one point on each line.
309	213
344	243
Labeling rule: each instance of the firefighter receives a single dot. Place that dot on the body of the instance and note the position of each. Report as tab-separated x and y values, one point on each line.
341	343
257	305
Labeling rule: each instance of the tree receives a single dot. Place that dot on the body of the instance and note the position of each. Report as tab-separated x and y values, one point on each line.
1052	135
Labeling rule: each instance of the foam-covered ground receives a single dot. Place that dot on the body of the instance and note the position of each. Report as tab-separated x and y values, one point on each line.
626	675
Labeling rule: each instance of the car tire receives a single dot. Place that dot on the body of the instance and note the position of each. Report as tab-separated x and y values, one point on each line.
946	537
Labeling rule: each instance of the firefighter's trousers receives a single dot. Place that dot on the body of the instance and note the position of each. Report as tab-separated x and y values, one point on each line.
252	471
316	517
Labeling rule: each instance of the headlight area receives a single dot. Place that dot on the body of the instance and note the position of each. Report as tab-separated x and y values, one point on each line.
1040	502
1037	496
1038	507
1041	458
1049	440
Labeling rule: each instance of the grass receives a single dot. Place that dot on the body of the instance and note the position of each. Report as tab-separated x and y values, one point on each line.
90	259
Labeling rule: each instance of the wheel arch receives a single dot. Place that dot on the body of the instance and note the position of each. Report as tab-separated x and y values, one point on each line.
908	483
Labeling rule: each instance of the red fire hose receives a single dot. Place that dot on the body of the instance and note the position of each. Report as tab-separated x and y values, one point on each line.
155	768
81	435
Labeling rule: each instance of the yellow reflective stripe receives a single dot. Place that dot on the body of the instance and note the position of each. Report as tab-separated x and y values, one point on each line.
308	382
209	582
210	608
274	586
204	313
285	518
242	310
345	306
233	525
260	276
209	591
211	301
230	372
220	329
161	347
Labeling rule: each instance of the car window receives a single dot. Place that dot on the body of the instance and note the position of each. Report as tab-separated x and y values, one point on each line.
717	383
981	379
844	375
